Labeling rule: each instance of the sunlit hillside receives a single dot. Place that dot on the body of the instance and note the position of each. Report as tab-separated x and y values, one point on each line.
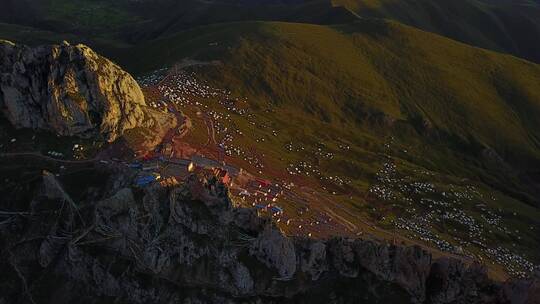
456	118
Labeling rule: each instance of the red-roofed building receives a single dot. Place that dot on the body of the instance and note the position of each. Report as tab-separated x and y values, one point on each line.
222	175
263	182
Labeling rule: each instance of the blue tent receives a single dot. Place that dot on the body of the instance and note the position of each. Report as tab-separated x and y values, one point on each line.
145	180
276	209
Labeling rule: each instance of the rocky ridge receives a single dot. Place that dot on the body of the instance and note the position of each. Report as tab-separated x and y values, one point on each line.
190	244
69	90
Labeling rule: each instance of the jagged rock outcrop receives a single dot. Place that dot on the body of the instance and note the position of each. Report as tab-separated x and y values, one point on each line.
275	251
191	245
67	89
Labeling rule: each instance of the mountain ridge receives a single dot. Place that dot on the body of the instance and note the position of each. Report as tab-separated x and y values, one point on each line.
249	262
504	26
491	25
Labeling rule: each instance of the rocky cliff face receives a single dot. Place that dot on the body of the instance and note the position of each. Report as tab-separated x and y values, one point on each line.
191	245
69	90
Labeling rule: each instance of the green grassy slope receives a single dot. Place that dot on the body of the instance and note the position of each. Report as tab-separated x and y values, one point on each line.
389	77
34	36
508	26
478	97
133	21
196	13
463	119
89	18
466	116
370	77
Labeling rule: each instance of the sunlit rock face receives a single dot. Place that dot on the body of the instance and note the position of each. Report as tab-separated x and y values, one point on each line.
69	90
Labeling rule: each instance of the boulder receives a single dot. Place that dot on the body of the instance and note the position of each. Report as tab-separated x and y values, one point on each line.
69	90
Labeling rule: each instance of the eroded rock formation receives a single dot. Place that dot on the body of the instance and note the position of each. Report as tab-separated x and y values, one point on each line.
69	90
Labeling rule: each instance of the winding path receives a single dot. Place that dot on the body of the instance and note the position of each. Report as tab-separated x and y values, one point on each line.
39	155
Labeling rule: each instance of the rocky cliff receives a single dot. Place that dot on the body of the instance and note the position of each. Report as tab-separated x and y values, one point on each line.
69	90
190	244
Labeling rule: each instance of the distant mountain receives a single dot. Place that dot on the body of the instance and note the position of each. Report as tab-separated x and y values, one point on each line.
501	25
133	21
188	14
